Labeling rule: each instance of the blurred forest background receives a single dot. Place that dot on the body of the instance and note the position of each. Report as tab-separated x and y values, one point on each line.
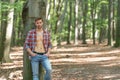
68	21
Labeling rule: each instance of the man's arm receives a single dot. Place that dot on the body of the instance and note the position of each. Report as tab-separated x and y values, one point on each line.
30	52
26	45
49	45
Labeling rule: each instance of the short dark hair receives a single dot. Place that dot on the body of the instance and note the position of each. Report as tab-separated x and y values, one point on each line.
38	19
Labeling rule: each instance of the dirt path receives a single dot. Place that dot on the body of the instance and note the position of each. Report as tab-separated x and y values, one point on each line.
70	62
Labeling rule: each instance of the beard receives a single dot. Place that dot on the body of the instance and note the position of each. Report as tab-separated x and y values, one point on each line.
39	27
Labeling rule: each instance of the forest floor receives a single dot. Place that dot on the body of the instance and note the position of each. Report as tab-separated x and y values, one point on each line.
71	62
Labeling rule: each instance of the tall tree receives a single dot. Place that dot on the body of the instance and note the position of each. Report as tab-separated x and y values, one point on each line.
0	17
57	9
117	41
76	21
7	31
60	19
110	23
8	36
48	9
85	10
93	13
32	9
69	22
1	29
18	28
103	17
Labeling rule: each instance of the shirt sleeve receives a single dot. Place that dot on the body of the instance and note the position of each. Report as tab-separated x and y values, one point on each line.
49	41
26	44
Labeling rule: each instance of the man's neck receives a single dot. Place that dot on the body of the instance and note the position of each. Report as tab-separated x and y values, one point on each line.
39	30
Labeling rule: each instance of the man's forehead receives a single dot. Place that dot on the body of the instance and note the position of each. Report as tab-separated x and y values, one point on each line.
39	21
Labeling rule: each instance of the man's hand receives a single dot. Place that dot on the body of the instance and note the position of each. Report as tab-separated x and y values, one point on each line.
47	54
33	54
30	52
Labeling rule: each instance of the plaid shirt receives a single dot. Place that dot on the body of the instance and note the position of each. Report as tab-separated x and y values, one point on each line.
30	41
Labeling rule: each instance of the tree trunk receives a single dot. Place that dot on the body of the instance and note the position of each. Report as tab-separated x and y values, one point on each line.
93	12
57	14
32	9
117	42
59	22
7	29
113	28
110	24
69	23
0	19
76	21
8	36
102	34
85	9
103	17
48	9
3	31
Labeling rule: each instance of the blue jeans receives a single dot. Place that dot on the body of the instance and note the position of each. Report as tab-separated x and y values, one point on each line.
43	59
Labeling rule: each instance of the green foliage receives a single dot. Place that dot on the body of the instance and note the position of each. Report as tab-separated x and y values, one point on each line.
103	2
101	23
98	6
18	27
19	6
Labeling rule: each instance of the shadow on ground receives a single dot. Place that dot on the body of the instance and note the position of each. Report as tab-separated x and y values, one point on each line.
71	62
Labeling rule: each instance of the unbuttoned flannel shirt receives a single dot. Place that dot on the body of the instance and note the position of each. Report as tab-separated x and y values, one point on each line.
30	41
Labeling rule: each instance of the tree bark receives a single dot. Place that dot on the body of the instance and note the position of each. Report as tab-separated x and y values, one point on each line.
93	12
32	9
85	9
7	33
76	21
110	23
59	22
69	22
117	41
103	17
8	36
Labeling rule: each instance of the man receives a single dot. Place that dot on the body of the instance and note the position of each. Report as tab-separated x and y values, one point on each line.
38	46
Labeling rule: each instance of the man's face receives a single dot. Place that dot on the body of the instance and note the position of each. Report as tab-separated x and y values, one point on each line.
39	24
